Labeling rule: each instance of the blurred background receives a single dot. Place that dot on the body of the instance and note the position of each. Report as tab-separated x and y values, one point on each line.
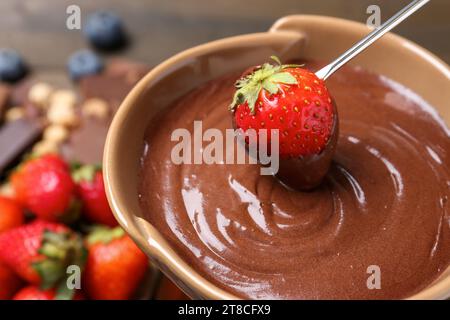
161	28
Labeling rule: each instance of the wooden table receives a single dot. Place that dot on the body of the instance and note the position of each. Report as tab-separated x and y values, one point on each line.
161	28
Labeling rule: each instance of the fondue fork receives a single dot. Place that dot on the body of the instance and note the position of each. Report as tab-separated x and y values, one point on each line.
376	34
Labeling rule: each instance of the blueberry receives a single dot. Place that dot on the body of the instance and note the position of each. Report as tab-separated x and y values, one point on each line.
105	30
12	66
83	63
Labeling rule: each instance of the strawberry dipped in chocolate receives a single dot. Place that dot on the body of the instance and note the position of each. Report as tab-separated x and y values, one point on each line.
296	103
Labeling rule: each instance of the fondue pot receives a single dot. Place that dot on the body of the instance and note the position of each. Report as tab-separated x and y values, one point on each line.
299	37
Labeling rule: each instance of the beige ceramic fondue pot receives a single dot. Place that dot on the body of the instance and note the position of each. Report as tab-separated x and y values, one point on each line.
298	36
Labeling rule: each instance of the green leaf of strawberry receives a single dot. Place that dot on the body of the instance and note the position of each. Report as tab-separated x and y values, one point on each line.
104	235
264	77
60	250
84	172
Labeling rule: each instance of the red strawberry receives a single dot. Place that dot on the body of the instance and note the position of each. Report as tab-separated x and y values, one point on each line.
40	252
115	265
91	190
11	214
9	282
45	187
288	98
56	161
35	293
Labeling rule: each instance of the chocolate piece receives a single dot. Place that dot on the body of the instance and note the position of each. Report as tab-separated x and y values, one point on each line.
114	83
19	97
19	93
130	71
15	138
4	97
86	142
109	88
32	111
119	77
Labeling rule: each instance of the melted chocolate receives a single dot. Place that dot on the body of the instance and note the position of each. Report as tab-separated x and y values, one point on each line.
384	201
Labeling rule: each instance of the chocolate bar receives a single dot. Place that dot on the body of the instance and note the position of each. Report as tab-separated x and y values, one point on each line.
15	138
4	97
19	92
114	83
86	142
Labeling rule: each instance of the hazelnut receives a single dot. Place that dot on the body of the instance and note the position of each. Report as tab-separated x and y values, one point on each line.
45	147
95	107
40	94
6	190
56	133
14	114
63	97
62	114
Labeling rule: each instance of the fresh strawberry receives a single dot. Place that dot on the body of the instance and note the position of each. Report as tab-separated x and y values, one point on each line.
115	265
56	161
288	98
11	214
9	282
45	187
41	251
35	293
19	248
91	190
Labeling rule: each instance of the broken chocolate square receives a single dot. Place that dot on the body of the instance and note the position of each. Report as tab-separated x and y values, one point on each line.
15	139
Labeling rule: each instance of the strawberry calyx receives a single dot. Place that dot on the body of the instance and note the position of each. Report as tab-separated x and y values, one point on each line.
104	234
267	77
85	172
59	250
72	213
